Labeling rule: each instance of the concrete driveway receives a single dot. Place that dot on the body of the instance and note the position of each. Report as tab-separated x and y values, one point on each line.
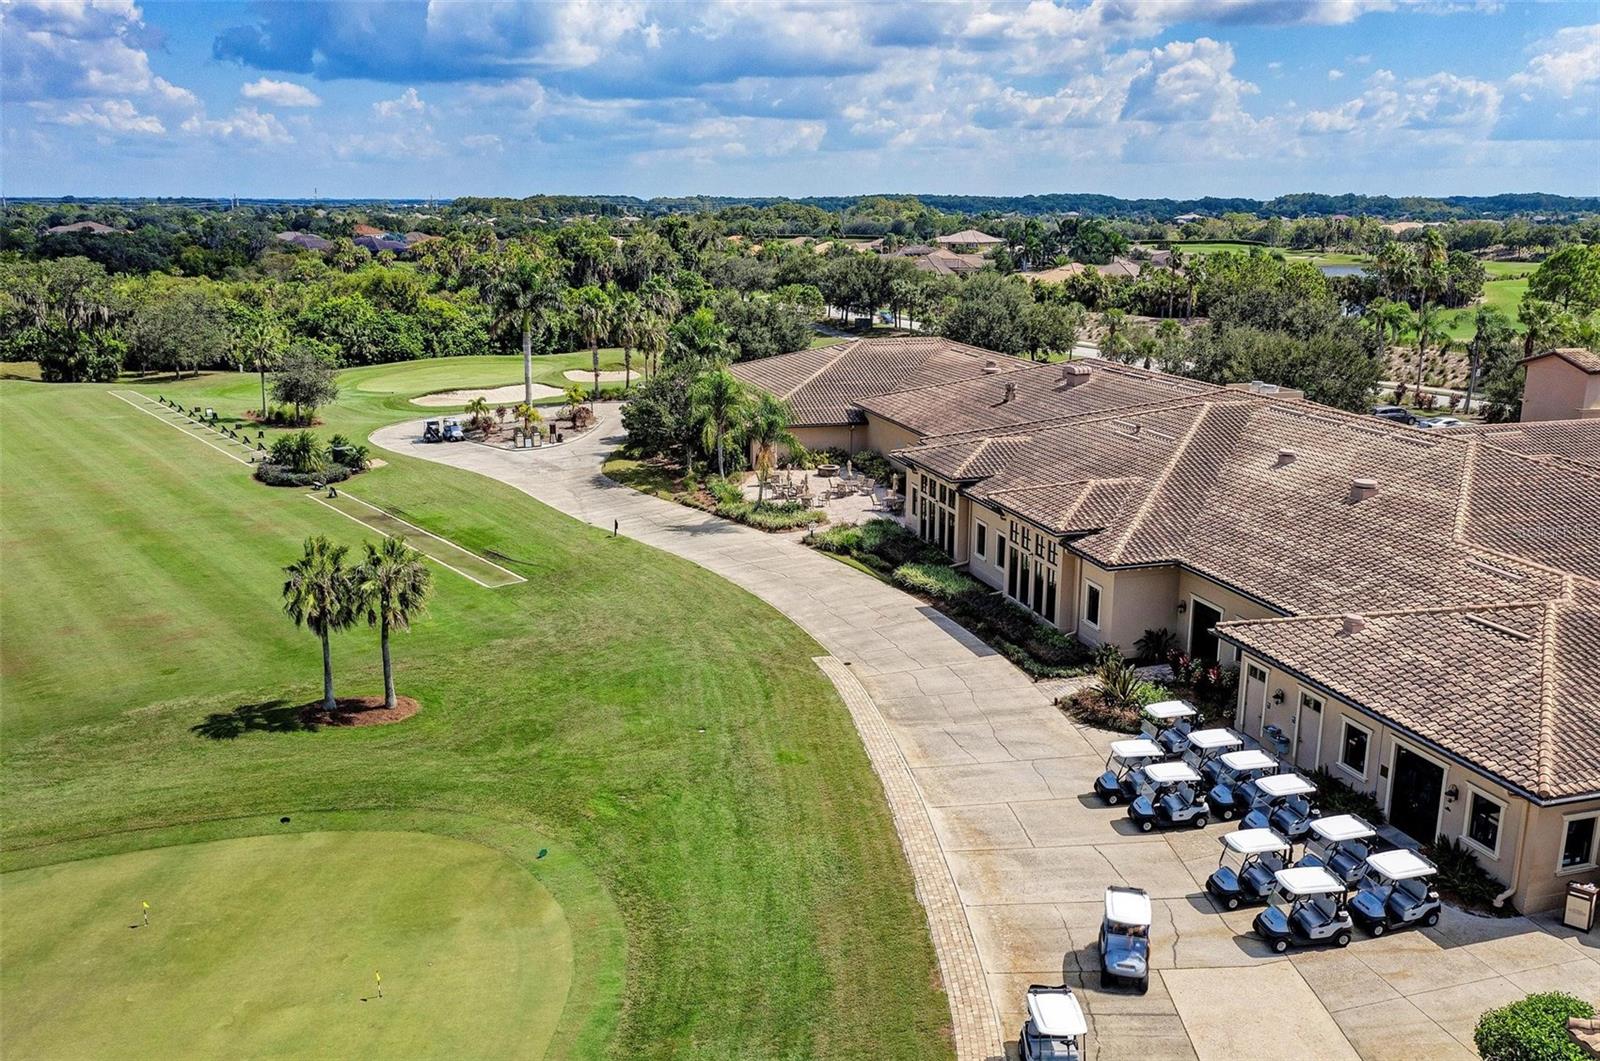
989	785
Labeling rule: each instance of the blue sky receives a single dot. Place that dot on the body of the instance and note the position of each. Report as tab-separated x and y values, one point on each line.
1176	98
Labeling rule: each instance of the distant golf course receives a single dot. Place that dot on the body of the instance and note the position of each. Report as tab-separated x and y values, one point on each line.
631	817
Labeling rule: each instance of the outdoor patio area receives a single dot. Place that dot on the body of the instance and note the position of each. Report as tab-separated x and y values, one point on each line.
845	494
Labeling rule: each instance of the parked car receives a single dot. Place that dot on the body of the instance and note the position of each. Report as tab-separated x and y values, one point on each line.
1125	938
1339	844
1306	908
1431	422
1268	794
1171	796
1119	783
1247	870
1235	771
1395	892
1397	413
1168	722
1055	1026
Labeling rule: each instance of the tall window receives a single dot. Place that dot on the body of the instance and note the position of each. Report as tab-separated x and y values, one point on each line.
1050	594
1091	604
1352	748
1483	822
983	540
1578	845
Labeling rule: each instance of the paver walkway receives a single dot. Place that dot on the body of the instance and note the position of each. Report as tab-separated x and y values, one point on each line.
987	783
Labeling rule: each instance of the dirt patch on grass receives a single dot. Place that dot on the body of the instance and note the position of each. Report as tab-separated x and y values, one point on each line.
359	711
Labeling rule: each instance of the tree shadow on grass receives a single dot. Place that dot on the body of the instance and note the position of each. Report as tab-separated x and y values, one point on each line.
269	716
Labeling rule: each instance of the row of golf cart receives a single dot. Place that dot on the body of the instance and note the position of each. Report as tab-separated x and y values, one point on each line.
1055	1026
448	431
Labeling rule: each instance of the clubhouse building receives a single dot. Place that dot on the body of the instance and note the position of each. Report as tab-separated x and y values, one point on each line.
1417	612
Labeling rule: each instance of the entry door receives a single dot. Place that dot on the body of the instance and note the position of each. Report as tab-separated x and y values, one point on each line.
1308	731
1254	702
1414	796
1202	638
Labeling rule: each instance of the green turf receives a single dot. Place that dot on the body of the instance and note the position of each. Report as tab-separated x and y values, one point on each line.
1505	295
268	946
711	816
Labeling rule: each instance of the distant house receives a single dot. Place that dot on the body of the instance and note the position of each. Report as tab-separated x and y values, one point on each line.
1120	267
912	250
414	239
1056	275
93	228
946	263
377	244
1562	384
1184	219
306	240
368	230
970	238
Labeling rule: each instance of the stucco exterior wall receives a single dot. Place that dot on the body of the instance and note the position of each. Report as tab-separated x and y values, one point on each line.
1559	390
883	436
830	437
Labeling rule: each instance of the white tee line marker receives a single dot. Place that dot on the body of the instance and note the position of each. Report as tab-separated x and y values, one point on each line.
176	426
448	567
419	530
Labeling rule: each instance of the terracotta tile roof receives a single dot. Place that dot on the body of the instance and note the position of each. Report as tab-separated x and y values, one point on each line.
1587	360
969	237
1513	689
822	386
1577	441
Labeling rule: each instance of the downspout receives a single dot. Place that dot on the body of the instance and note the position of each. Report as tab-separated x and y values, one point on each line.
1516	864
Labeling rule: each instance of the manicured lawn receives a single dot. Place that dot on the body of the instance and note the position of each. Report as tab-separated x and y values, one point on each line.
268	946
1504	295
713	830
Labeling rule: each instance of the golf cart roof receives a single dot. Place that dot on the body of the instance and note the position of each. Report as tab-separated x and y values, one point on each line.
1401	864
1166	710
1207	739
1339	827
1137	749
1055	1012
1300	881
1276	785
1254	841
1248	759
1127	906
1171	773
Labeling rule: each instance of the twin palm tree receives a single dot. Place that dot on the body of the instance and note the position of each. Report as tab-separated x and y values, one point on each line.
523	292
591	311
718	402
766	428
629	319
390	587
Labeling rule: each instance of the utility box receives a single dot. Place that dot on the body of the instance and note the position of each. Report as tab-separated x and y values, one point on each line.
1581	902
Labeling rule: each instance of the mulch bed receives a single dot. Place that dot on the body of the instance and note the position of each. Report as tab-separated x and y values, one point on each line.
359	711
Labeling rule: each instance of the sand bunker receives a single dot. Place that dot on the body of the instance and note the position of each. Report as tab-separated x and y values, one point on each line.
584	375
509	395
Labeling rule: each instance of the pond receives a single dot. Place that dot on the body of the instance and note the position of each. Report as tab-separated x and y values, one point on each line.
1342	270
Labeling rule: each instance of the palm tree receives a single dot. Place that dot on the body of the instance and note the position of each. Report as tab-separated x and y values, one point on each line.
591	311
766	427
478	414
262	343
1388	318
652	339
628	317
1429	329
717	401
318	596
528	415
521	290
392	587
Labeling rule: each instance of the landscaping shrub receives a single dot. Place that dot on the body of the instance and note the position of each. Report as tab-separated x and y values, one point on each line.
897	544
873	464
939	581
843	538
1534	1029
1116	699
772	516
1462	877
1156	644
301	452
1039	650
285	475
1334	796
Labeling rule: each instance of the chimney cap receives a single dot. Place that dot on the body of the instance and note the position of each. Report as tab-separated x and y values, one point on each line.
1362	488
991	366
1354	624
1286	455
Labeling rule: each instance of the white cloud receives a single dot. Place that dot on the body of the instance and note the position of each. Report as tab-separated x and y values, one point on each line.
408	104
486	142
109	115
79	49
1570	62
1186	81
280	93
245	124
1335	74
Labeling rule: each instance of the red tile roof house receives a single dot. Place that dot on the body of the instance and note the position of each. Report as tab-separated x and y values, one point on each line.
1419	613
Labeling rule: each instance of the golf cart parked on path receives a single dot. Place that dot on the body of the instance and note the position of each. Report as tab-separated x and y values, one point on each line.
1247	870
1268	794
1306	908
1167	722
453	432
1395	893
1339	844
431	432
1119	784
1171	796
1206	746
1055	1028
1125	938
1235	771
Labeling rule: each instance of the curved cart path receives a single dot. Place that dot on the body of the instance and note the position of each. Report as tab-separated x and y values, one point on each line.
985	779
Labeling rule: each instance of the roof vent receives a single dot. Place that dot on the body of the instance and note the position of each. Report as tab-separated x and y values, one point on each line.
1354	624
1285	456
1011	392
1075	372
1262	387
990	367
1361	489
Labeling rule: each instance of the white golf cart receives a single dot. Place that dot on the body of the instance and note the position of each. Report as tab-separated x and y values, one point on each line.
1395	892
1171	795
1055	1028
1235	770
1206	746
1247	869
1306	908
1120	782
1125	938
1167	722
1339	844
1270	794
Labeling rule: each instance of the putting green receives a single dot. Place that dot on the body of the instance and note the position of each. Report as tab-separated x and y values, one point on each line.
266	946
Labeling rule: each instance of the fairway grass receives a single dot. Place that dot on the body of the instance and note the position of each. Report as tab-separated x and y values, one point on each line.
267	946
715	833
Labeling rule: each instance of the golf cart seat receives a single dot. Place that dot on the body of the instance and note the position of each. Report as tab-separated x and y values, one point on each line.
1293	817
